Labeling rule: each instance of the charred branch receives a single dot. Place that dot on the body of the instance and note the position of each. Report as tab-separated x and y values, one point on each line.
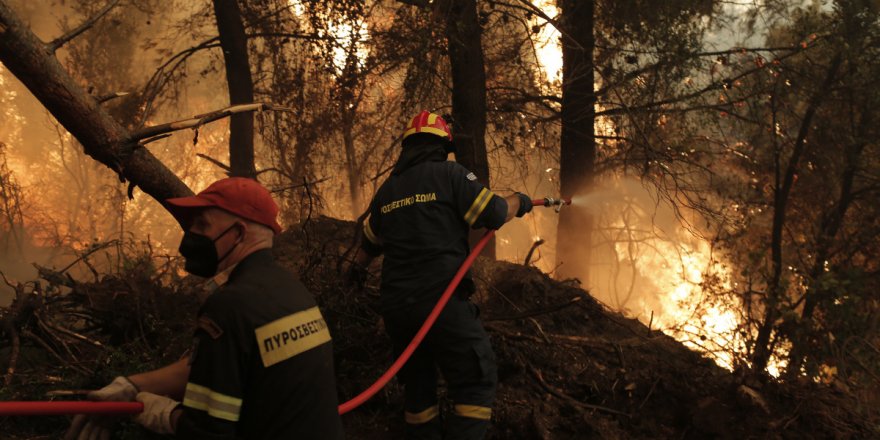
197	121
300	185
104	98
216	162
86	25
534	247
568	399
538	312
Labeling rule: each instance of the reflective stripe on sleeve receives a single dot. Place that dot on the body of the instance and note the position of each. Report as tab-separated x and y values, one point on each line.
473	411
478	206
421	417
215	404
368	232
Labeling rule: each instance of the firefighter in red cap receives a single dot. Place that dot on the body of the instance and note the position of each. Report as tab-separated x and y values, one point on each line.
419	219
261	364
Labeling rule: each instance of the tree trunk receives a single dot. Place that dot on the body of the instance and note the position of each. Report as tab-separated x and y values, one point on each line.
103	138
354	177
241	87
763	348
830	226
578	144
463	34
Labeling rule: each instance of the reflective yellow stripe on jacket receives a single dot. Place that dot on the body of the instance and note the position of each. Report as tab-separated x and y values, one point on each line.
421	417
473	411
215	404
368	232
478	206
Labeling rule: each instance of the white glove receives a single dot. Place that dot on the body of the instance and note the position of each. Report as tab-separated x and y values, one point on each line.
88	427
157	412
120	390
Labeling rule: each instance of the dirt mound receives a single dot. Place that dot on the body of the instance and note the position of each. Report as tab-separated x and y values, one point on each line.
568	367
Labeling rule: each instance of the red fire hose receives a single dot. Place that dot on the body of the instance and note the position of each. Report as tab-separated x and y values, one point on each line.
40	408
62	408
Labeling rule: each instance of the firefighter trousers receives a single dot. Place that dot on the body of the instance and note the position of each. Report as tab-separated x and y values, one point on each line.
459	347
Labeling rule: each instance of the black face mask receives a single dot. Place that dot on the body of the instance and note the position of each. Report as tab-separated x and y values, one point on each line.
201	254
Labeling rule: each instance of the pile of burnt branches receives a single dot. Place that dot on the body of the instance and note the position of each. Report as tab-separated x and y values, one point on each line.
61	335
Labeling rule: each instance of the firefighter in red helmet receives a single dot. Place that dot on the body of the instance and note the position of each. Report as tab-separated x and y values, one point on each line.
419	219
261	363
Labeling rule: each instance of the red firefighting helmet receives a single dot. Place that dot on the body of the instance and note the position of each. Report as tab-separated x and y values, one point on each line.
430	123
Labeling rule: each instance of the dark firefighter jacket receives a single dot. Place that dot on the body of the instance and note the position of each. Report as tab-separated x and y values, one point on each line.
262	361
419	219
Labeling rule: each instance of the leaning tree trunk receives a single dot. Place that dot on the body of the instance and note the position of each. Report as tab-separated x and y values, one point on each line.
578	143
104	139
241	87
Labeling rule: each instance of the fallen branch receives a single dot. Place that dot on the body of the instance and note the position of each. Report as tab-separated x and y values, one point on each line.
54	353
650	393
21	308
153	139
571	400
82	257
73	334
197	121
535	312
86	25
104	98
535	245
581	341
54	277
50	331
13	356
219	164
299	185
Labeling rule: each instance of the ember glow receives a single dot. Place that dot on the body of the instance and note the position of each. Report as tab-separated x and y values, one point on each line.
548	46
349	36
646	265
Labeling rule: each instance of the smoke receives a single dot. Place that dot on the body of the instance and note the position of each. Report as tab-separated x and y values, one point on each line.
640	252
644	260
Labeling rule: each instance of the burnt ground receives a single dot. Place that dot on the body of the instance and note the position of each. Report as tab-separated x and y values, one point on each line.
568	367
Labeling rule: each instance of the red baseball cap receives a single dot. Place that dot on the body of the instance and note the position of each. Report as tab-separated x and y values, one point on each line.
240	196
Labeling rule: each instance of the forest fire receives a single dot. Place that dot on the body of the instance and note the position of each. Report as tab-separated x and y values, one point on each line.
718	262
677	273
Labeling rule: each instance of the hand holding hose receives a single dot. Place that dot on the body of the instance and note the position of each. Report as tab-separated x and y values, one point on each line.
92	427
525	204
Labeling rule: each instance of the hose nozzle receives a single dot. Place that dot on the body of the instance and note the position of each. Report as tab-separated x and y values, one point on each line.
556	203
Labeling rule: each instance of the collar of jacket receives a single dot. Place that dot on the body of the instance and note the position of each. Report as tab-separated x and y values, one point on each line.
413	156
260	257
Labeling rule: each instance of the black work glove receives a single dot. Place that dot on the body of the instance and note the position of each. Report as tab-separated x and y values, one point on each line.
525	204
